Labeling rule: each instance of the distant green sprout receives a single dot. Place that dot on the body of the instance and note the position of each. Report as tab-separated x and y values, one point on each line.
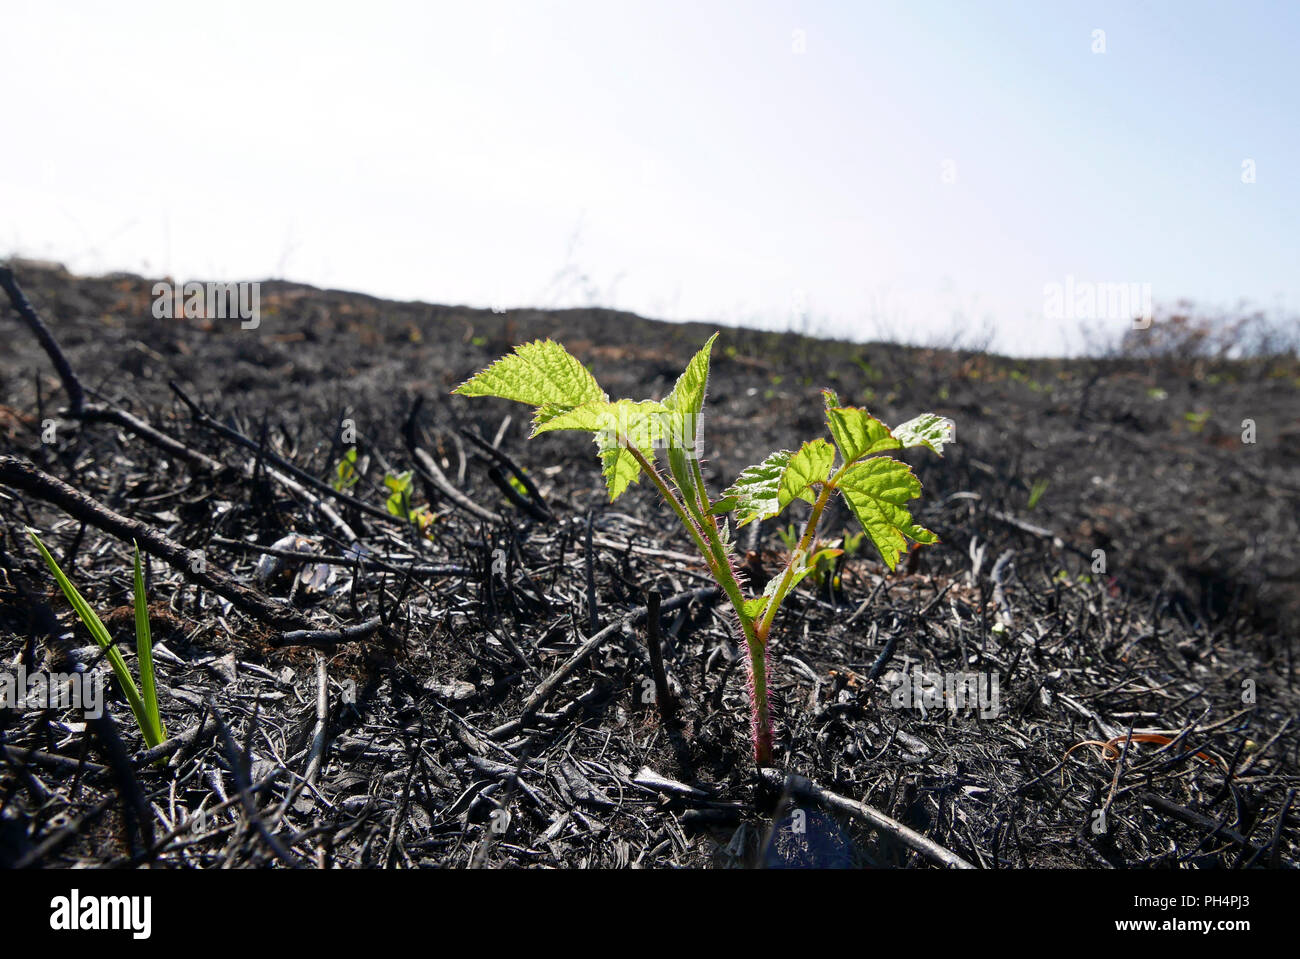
822	563
399	501
143	704
345	474
629	433
1196	421
1036	493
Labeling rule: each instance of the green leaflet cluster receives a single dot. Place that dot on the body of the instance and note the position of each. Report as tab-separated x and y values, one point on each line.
876	489
628	434
566	396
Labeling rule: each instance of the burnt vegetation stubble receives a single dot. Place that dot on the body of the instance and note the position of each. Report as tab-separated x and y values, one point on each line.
431	744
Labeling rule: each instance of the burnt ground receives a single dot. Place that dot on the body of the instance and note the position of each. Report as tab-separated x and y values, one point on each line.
430	724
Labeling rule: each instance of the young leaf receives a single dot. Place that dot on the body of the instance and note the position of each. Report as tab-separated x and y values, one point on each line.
928	429
812	464
755	494
619	467
156	732
877	491
857	433
687	396
101	636
347	470
541	373
616	426
399	500
641	424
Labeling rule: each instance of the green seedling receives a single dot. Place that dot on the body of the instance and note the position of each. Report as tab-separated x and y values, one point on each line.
631	434
399	502
1037	491
827	562
345	474
144	704
821	563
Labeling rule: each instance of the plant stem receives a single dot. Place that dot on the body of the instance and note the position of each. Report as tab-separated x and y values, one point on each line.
762	720
654	641
800	551
714	553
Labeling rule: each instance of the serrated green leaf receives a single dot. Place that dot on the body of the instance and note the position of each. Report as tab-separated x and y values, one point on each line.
857	433
619	468
754	607
587	417
831	398
687	395
876	491
812	464
755	494
616	427
687	400
541	373
928	429
642	424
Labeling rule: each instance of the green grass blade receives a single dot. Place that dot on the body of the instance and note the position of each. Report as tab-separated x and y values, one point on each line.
156	732
98	631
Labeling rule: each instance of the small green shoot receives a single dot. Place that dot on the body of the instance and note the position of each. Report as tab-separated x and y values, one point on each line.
143	705
1196	421
629	435
346	474
399	502
1037	491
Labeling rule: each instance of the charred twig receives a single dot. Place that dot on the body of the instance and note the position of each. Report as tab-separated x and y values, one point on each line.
23	307
338	559
549	684
137	816
1193	818
664	695
22	475
20	757
169	746
330	637
236	759
534	503
928	848
517	499
79	409
592	621
202	418
433	473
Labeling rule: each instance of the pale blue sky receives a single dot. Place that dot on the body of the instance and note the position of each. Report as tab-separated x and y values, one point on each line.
685	158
